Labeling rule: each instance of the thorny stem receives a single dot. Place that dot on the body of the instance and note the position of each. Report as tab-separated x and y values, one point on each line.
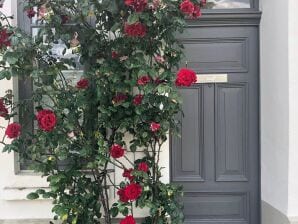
4	17
131	163
156	148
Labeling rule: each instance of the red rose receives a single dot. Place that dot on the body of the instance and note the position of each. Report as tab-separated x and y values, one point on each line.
128	220
31	13
187	7
133	191
83	84
137	100
137	5
3	109
47	120
119	98
144	80
127	174
13	130
135	30
122	196
154	127
186	77
143	166
4	38
196	12
117	151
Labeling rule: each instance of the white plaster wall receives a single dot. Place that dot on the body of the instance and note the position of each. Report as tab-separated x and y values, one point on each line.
14	187
293	115
279	105
275	103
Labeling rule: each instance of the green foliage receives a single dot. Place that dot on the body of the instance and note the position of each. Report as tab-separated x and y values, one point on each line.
75	155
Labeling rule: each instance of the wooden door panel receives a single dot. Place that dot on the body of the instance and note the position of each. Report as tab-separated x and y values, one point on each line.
216	206
231	127
187	159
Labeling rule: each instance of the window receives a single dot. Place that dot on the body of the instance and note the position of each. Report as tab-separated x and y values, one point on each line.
228	4
25	85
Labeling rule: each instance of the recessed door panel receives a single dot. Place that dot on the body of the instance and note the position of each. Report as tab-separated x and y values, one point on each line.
231	126
221	206
187	158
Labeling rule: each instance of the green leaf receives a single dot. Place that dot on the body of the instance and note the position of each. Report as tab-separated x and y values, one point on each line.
40	191
114	211
133	18
32	196
11	57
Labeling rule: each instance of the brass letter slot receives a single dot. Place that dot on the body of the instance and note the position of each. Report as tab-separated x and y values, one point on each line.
212	78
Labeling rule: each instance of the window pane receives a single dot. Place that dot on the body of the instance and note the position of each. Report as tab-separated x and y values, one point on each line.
228	4
60	51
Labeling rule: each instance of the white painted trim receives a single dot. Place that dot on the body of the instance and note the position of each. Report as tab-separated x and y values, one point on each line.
19	194
28	221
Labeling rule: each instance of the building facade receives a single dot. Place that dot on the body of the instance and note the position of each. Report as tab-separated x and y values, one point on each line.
254	178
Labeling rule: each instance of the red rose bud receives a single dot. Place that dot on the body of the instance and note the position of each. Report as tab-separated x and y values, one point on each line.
119	98
137	100
3	109
47	120
143	80
197	12
127	174
154	127
203	2
137	5
186	77
158	81
122	196
116	151
13	130
128	220
115	54
187	7
133	191
31	13
83	84
4	38
135	30
143	166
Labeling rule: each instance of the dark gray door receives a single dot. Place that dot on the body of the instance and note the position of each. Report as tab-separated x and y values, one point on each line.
217	157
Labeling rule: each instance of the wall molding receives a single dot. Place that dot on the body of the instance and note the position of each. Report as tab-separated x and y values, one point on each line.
46	221
227	18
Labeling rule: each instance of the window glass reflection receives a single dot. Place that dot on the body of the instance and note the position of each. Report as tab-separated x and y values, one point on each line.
228	4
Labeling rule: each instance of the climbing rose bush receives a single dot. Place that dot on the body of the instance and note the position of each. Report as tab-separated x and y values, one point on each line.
122	106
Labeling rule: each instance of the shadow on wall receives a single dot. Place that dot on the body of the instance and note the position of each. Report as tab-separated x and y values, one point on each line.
271	215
